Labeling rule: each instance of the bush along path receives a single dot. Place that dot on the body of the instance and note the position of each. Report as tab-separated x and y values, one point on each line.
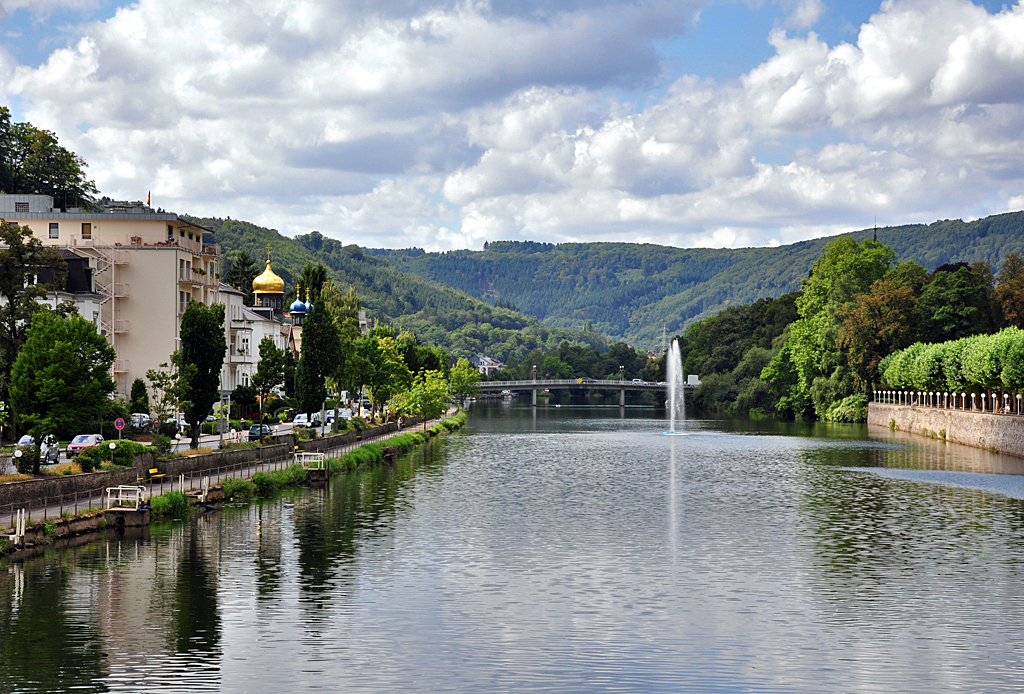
264	482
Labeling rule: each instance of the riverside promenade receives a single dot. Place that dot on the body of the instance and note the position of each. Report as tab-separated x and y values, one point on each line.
277	457
999	431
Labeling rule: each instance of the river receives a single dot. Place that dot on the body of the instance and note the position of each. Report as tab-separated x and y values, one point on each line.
567	551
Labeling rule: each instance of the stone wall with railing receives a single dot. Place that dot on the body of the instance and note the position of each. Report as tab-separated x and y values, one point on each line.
995	429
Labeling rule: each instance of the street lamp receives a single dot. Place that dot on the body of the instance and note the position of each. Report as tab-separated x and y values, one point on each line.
620	372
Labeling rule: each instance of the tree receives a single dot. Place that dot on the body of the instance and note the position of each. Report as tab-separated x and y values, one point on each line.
957	302
463	380
876	324
241	274
387	372
427	398
318	358
1010	290
845	270
269	374
203	346
170	386
22	257
33	162
139	398
62	374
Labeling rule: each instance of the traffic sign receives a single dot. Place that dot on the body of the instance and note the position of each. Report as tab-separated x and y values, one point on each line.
119	424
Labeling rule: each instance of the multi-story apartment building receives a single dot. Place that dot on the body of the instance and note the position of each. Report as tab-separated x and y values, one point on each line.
146	267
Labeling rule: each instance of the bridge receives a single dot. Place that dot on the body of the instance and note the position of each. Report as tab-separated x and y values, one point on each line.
576	384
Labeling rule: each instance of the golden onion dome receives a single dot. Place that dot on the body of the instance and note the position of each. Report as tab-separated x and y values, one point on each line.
268	282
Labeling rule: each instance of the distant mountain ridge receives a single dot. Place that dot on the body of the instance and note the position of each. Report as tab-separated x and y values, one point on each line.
437	313
632	291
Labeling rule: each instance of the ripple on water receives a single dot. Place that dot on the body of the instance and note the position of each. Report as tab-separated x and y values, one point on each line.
571	552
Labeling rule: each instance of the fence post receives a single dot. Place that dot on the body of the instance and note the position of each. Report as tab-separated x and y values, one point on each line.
76	503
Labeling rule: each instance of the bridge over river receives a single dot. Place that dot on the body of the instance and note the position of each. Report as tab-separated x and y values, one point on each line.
576	384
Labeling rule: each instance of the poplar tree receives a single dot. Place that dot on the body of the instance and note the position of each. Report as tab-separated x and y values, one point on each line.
203	346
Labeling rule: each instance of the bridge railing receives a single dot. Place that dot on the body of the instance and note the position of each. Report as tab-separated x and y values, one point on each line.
547	383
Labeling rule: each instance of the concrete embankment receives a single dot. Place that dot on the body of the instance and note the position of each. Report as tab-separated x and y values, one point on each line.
1001	433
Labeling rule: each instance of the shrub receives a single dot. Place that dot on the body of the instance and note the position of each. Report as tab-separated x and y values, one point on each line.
50	529
853	408
240	489
163	445
174	504
89	458
28	460
125	451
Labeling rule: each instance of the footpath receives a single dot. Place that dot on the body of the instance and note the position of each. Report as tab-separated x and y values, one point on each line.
197	477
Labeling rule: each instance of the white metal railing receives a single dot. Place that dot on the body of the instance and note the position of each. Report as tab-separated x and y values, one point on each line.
310	461
571	382
120	290
121	366
125	496
121	325
992	403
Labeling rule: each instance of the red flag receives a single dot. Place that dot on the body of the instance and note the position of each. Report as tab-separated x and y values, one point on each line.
147	198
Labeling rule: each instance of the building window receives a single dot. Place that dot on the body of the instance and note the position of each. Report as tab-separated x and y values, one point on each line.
54	230
21	207
190	238
245	379
170	231
181	302
86	230
181	268
181	232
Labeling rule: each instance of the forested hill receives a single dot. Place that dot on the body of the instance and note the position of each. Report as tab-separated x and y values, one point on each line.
438	314
631	291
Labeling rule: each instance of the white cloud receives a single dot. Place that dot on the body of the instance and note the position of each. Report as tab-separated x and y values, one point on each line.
447	125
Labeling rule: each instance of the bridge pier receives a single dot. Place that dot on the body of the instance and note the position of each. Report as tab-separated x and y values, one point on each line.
534	397
622	398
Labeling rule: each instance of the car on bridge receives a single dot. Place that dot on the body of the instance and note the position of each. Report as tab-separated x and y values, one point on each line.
639	382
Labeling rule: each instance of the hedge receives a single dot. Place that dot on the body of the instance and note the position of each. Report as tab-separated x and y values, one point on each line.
970	364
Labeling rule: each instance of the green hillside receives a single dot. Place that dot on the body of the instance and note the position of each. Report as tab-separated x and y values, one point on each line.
438	314
631	291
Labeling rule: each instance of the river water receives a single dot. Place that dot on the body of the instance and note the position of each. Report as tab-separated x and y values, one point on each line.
567	551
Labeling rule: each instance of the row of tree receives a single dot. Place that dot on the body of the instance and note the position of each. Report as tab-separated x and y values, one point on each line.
980	363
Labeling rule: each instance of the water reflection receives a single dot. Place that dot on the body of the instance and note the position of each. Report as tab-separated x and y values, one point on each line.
557	549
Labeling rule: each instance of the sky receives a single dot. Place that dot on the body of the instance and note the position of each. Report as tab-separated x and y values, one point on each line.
443	125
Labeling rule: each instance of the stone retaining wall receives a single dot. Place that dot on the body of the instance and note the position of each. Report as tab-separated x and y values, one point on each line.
1002	433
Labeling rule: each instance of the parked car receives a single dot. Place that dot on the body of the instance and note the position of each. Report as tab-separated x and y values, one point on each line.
301	420
49	449
345	413
140	421
83	441
254	431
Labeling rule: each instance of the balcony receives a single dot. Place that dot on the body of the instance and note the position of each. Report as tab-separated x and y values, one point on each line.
120	290
120	366
119	257
121	326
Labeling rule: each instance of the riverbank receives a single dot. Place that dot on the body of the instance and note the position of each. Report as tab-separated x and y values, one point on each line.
998	433
354	456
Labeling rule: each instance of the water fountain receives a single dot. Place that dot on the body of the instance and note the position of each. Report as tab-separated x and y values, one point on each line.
676	395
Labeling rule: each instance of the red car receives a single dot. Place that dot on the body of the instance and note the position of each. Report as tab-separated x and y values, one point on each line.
83	441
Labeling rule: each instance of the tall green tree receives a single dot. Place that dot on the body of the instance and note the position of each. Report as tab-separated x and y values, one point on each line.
203	346
463	380
32	161
846	269
241	274
959	301
139	401
22	258
269	374
1010	290
427	398
318	357
62	374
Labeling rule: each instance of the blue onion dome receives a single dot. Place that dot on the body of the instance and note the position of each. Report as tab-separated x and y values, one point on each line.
297	306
